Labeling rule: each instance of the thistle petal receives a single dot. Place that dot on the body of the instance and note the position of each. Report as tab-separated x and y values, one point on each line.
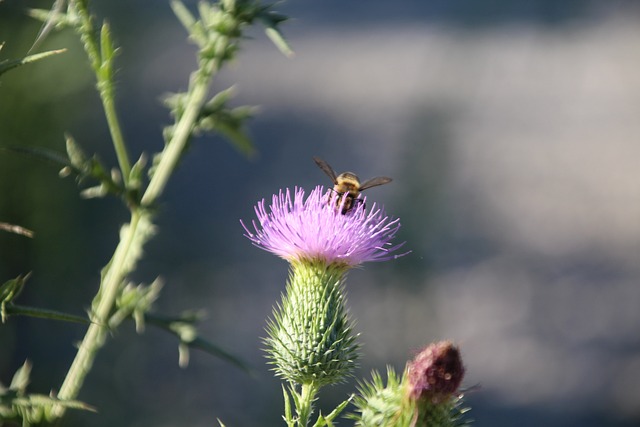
296	229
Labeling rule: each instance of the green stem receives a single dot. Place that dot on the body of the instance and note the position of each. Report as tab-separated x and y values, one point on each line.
136	233
307	397
114	128
130	243
132	239
87	33
173	150
102	68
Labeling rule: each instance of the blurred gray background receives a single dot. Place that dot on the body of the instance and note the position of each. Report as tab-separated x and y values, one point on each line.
511	130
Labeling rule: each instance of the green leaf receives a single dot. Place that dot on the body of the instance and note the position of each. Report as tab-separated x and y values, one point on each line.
288	416
12	288
271	20
184	328
240	140
188	21
9	64
20	379
135	302
43	313
76	156
279	41
183	355
219	100
215	116
9	290
137	173
295	396
18	406
50	19
49	155
107	53
328	419
41	153
229	5
77	163
16	229
95	192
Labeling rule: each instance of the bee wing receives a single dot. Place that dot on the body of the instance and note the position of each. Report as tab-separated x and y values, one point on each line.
374	182
326	169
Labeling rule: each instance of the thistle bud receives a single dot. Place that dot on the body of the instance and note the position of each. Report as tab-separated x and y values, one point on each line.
424	397
435	373
310	337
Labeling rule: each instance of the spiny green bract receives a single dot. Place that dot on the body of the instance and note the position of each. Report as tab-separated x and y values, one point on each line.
310	339
382	406
449	413
390	406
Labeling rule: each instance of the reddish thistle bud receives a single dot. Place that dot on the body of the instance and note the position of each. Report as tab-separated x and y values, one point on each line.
435	373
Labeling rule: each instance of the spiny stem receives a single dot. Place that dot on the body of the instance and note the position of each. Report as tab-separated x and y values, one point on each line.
102	69
135	234
87	32
307	397
97	331
116	133
132	239
171	154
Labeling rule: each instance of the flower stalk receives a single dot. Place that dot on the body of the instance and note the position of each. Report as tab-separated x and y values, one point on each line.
127	252
174	149
307	397
101	53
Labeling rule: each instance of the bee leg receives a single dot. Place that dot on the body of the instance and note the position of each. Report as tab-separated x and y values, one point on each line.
359	203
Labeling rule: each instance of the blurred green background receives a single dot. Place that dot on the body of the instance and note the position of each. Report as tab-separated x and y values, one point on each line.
510	128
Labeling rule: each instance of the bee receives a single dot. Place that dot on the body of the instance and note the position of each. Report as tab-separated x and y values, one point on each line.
348	185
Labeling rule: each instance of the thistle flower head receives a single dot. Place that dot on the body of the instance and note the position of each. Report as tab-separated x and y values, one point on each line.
315	229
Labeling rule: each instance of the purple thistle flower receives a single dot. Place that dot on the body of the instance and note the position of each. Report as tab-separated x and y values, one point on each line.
315	229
